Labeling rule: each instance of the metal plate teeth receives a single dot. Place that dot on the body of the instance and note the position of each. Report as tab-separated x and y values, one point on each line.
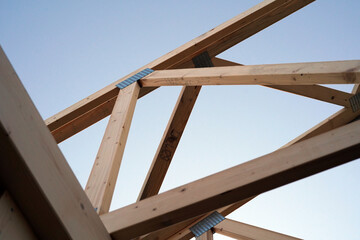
206	224
355	102
134	78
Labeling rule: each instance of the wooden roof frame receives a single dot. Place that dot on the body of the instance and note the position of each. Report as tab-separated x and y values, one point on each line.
68	209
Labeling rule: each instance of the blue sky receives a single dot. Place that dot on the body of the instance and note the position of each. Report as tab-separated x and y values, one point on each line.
65	51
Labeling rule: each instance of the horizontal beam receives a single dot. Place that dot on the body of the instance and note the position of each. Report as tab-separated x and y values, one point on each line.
34	171
179	231
339	72
98	105
317	92
242	231
238	183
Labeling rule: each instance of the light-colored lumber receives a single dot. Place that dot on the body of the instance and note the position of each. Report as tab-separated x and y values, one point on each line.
169	141
83	121
237	183
337	72
13	225
208	235
181	231
101	184
34	171
341	118
311	91
336	120
242	231
317	92
76	118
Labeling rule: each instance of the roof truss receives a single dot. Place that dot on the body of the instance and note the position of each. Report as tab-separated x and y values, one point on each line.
163	216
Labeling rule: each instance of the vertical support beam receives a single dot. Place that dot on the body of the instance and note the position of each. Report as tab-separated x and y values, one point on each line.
206	236
101	184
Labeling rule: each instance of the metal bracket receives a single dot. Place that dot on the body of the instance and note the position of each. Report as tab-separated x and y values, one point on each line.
355	102
206	224
134	78
202	60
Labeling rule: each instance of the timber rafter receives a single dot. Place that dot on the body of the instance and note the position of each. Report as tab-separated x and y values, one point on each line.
333	142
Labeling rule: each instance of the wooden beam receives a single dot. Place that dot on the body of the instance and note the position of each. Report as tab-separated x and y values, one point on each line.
181	231
336	120
244	231
101	184
240	182
206	236
13	225
82	121
340	118
76	118
311	91
317	92
169	142
34	171
338	72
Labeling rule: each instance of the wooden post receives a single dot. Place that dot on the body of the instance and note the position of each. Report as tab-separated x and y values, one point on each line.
101	184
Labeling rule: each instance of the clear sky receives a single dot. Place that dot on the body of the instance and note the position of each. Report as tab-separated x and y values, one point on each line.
64	51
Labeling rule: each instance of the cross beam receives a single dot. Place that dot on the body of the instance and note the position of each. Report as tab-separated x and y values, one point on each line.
338	72
243	181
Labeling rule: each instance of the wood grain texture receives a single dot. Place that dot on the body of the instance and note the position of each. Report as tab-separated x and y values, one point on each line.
181	231
169	141
101	184
242	231
34	171
75	118
237	183
317	92
13	225
337	72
